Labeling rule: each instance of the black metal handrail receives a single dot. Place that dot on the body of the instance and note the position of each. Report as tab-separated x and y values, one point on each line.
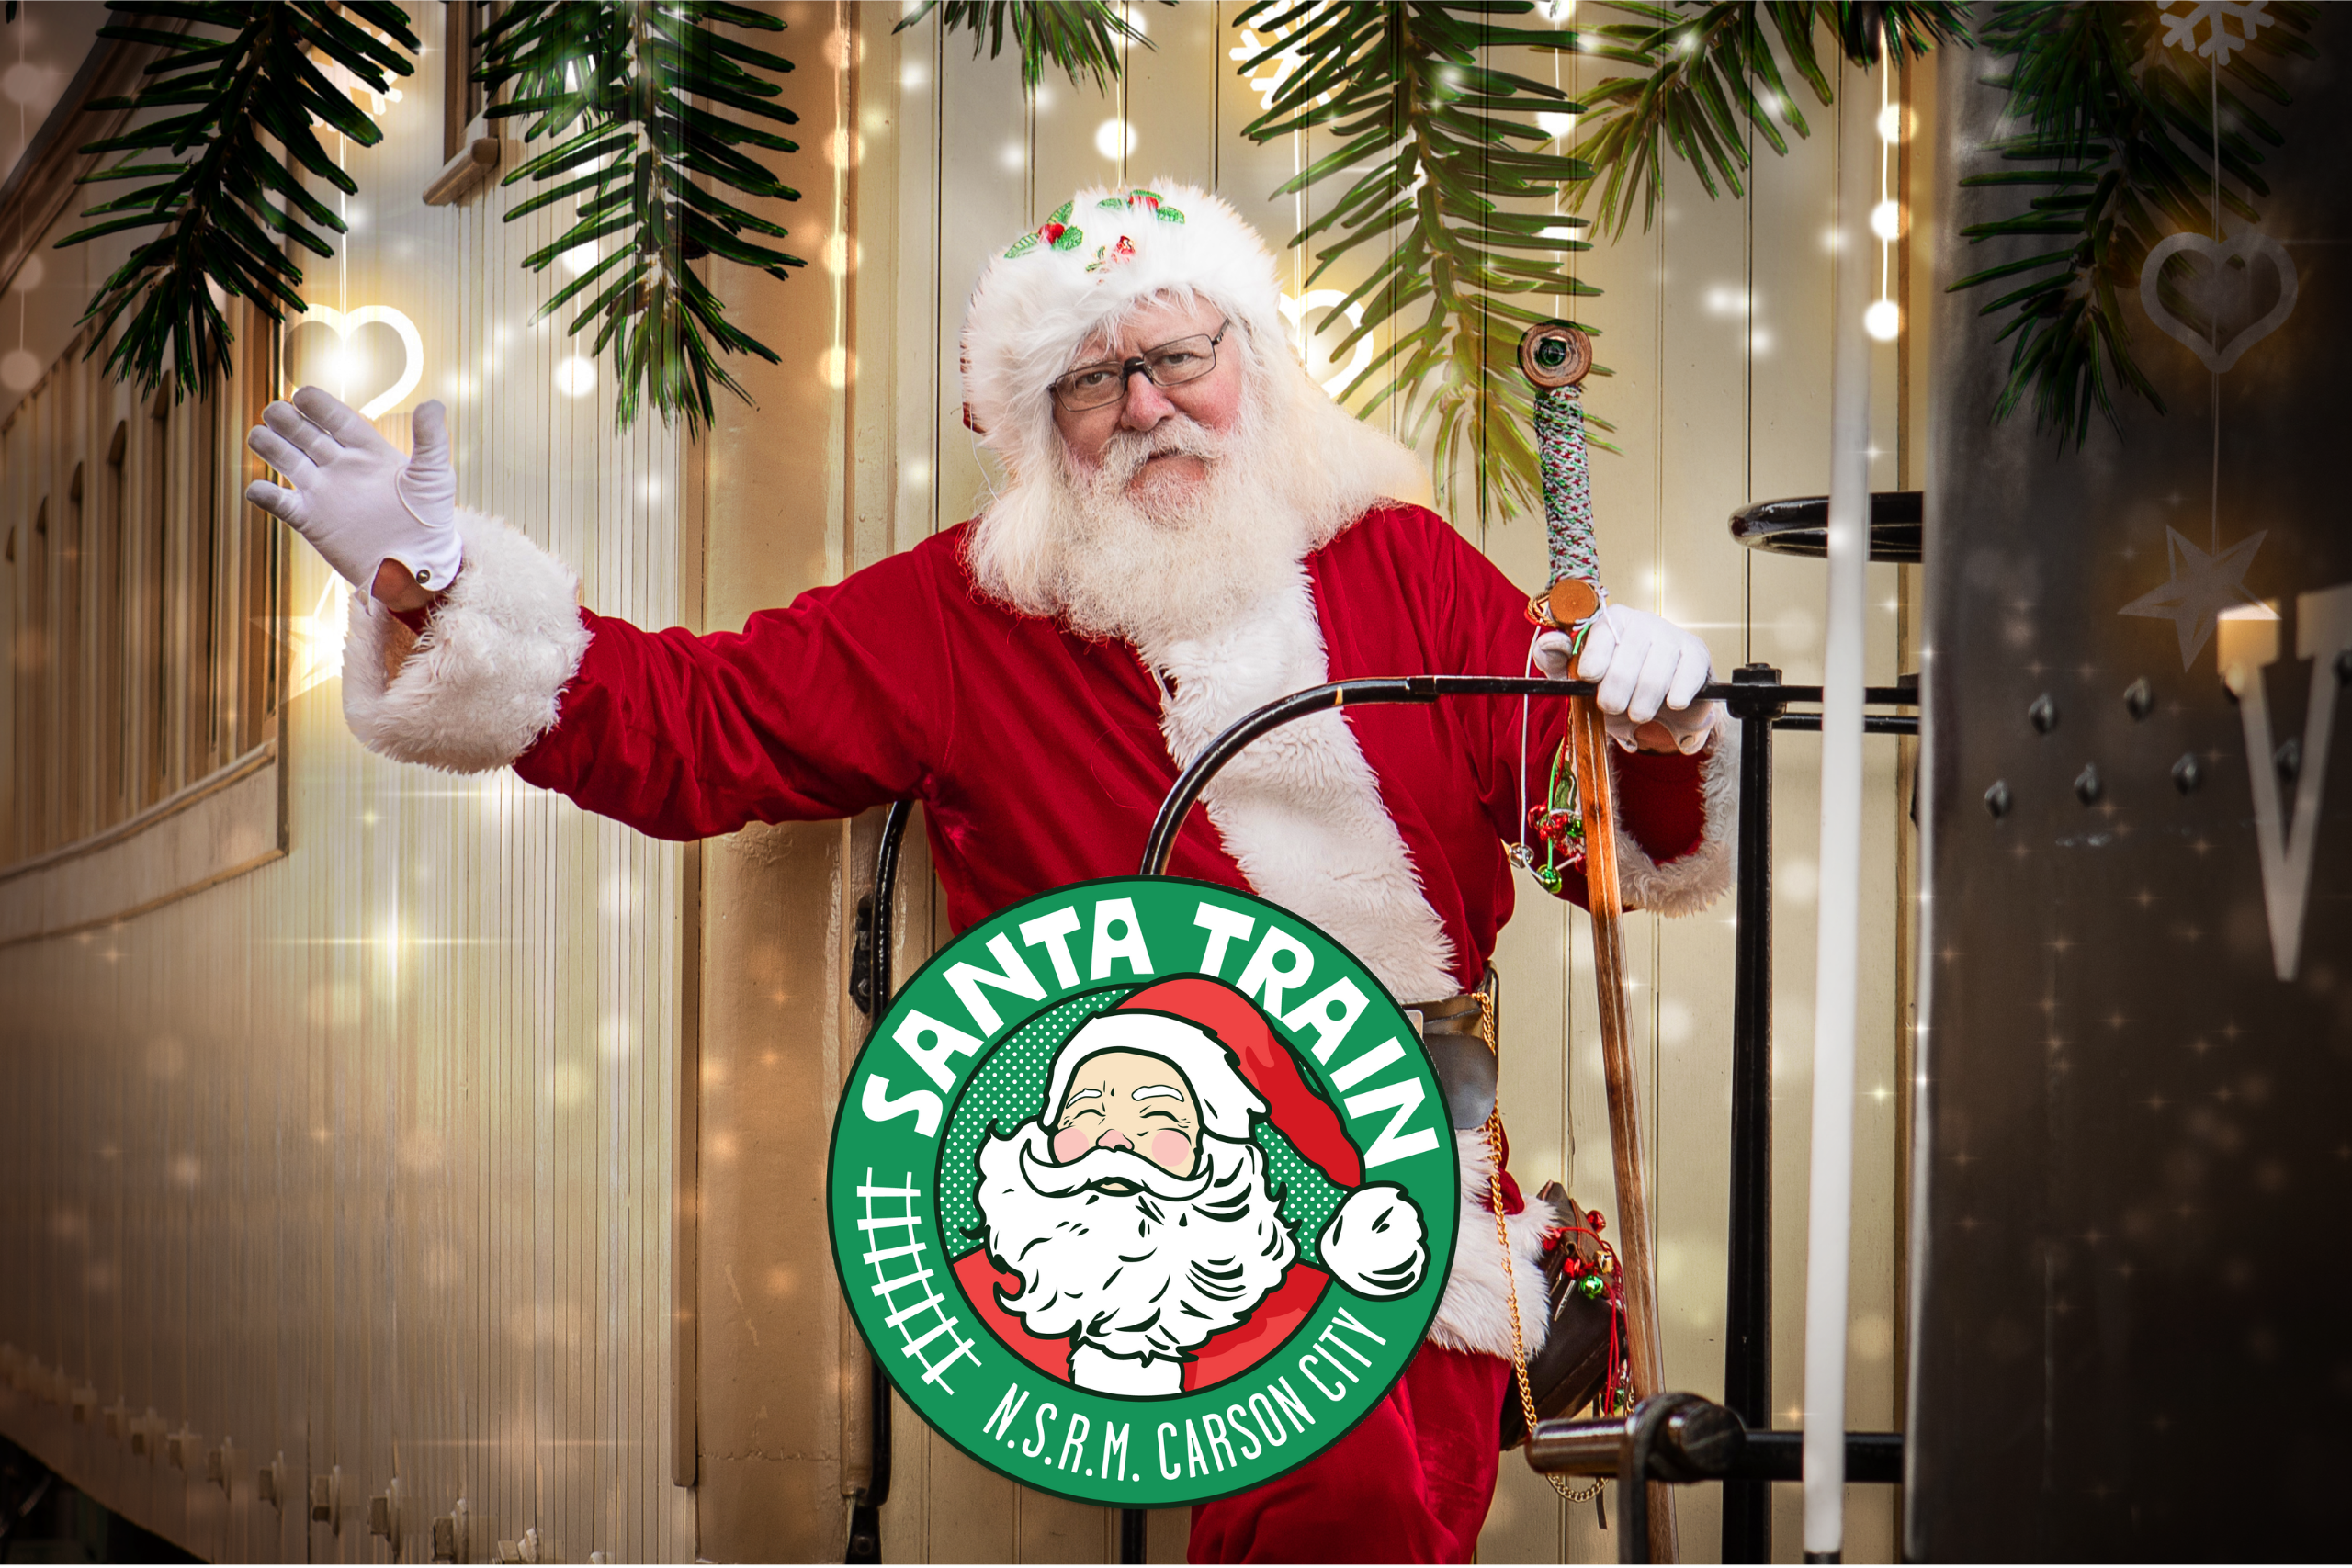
1759	701
1680	1439
866	1506
1371	691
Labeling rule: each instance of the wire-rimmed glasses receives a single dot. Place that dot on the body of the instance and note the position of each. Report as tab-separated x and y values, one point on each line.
1171	363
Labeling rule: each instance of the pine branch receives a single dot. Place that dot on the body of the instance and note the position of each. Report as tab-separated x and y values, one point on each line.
227	190
1433	142
1708	72
651	110
2110	106
1078	37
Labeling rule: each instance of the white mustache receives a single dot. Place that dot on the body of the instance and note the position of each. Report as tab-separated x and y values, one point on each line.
1111	1164
1127	451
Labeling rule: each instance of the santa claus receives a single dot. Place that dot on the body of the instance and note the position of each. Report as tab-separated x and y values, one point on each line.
1134	1244
1188	528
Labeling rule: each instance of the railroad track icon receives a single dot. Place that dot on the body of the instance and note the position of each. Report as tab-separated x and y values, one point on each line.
917	1333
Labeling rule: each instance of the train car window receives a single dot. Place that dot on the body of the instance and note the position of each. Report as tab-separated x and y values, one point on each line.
144	598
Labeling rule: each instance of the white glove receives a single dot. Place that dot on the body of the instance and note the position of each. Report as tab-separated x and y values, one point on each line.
356	498
1649	669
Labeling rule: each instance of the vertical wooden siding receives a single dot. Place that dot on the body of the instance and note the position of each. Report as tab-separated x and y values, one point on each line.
366	1158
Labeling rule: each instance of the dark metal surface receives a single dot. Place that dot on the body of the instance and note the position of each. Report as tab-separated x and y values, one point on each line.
1872	723
2133	1163
866	1506
1747	1337
1800	525
1872	1458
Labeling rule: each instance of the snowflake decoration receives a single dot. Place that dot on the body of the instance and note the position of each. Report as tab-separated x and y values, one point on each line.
2219	43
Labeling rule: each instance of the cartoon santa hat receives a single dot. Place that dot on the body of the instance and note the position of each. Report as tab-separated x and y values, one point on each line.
1375	1243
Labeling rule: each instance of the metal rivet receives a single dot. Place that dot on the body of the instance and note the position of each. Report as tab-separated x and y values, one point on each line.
2140	698
2288	760
1997	799
424	575
2087	787
2043	714
2187	774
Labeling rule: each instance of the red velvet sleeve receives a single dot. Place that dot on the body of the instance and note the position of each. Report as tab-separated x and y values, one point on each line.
833	705
1660	803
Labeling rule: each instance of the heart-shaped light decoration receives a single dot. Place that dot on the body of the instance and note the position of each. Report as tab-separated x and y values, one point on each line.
371	357
1323	300
2245	248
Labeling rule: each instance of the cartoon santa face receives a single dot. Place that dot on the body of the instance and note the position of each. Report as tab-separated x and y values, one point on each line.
1125	1099
1135	1214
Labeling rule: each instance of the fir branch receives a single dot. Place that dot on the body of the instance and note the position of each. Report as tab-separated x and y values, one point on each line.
1432	141
2108	105
1707	73
650	109
1078	37
227	188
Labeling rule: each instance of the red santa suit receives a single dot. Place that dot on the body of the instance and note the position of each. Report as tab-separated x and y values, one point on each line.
1041	758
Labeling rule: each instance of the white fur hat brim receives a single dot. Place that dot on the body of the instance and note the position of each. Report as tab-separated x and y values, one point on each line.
1037	302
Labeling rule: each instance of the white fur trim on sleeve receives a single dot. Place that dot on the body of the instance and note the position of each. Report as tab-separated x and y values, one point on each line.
1689	883
1474	1313
481	685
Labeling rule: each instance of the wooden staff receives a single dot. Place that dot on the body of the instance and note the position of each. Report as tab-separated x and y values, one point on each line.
1555	356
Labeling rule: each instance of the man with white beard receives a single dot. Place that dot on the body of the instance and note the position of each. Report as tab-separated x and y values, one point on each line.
1188	528
1132	1218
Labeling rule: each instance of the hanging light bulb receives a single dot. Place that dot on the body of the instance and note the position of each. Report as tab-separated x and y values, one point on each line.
1883	321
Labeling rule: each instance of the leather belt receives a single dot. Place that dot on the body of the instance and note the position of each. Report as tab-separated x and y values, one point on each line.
1455	1035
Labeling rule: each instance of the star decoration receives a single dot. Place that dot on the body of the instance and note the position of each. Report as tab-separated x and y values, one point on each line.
2201	587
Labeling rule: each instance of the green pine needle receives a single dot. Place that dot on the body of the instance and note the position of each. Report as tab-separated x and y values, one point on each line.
227	190
1443	212
2117	152
650	109
1706	74
1078	38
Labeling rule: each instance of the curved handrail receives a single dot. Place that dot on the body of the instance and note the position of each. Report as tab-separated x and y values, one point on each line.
1389	689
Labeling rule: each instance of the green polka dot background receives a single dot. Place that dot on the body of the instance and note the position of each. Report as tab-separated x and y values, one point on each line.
1143	1192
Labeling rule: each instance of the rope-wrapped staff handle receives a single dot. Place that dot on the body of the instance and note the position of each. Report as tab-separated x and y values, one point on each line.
1555	356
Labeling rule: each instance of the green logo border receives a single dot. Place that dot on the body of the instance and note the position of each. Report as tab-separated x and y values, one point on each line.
1422	1303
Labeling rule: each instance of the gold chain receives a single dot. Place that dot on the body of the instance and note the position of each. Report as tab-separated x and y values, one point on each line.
1494	1131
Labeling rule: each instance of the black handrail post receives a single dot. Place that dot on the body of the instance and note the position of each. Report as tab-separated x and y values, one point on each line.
1748	1308
1131	1535
865	1507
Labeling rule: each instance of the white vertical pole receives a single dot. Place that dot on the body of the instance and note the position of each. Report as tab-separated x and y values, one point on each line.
1829	1219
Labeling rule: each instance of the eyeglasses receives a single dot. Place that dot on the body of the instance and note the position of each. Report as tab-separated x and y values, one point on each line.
1169	364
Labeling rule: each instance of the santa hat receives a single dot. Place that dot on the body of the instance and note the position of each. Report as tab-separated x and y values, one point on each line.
1103	253
1375	1243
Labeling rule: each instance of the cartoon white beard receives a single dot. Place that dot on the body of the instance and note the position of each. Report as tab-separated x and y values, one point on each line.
1135	1279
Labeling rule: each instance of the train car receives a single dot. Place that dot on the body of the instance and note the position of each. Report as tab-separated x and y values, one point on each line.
394	1161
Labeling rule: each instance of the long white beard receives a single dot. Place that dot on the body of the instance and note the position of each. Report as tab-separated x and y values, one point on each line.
1109	564
1152	1273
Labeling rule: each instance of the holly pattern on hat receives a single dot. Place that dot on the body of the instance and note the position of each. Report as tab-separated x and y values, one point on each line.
1148	199
1055	232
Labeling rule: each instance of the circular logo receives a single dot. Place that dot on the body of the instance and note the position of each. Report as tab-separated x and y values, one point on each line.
1143	1192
